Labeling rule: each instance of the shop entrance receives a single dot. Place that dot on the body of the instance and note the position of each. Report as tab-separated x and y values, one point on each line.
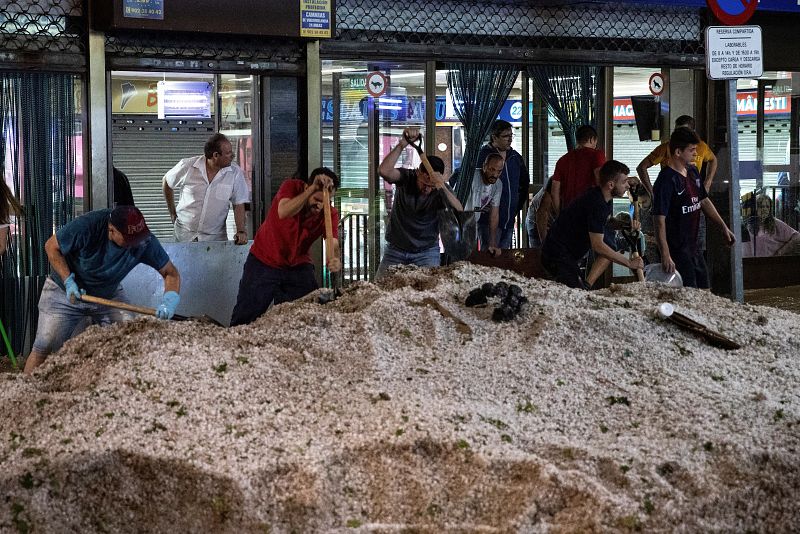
363	117
159	118
769	142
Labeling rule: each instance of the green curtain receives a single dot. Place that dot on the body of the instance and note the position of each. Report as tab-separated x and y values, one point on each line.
479	92
37	156
571	93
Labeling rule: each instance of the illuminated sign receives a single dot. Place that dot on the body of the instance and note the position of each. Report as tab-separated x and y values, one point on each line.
184	100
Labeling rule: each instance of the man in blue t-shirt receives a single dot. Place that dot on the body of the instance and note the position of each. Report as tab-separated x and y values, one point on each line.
581	226
678	197
92	254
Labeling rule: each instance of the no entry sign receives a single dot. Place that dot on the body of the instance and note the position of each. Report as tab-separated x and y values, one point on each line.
733	12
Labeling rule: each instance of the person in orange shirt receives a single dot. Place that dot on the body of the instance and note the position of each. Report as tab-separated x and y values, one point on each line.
661	155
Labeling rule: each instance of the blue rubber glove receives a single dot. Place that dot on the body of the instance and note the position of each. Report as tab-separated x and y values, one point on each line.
74	293
168	305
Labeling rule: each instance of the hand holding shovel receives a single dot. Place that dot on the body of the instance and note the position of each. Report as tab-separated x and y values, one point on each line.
145	310
334	264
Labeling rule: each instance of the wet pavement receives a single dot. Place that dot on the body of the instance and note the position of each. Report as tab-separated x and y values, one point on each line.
785	298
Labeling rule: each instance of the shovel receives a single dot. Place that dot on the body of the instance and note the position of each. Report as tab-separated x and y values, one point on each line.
144	310
326	208
636	252
667	311
458	229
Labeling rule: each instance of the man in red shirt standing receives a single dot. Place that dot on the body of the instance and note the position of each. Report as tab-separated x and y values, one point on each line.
577	170
279	268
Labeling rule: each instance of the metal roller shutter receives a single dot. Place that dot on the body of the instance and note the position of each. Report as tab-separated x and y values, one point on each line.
629	150
145	148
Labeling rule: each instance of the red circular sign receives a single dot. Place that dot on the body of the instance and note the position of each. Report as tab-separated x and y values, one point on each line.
733	12
376	83
656	83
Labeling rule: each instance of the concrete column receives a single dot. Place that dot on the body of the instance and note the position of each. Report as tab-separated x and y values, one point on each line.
314	116
680	84
98	170
725	264
313	124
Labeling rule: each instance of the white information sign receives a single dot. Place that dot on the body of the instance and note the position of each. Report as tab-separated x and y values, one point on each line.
734	52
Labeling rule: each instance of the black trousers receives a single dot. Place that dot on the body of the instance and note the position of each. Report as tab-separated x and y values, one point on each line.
562	266
262	286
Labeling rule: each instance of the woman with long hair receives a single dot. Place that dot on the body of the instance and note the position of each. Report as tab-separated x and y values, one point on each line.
768	236
8	206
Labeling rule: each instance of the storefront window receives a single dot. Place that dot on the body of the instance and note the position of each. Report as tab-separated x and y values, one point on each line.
628	147
768	177
148	139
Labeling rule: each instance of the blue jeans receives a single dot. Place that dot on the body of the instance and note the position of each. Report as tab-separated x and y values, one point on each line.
394	256
262	285
504	237
59	320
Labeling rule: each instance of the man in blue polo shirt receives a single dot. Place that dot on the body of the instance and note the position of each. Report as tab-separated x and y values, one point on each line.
581	226
678	198
92	254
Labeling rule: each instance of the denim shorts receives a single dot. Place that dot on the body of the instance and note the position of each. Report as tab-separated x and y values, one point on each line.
59	320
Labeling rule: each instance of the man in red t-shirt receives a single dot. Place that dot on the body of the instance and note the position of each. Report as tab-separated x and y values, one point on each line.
577	170
279	268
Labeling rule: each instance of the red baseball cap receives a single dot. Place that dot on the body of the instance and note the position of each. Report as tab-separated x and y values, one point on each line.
130	223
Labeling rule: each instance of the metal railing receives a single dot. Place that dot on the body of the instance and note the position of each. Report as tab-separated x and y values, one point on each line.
355	253
354	250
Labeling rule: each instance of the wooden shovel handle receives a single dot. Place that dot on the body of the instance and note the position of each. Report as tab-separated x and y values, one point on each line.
639	272
120	305
634	254
417	145
326	208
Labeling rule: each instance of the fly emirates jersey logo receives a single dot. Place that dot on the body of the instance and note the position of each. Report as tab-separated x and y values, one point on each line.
694	206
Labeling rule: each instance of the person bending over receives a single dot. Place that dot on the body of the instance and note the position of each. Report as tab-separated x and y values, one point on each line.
92	254
278	267
581	226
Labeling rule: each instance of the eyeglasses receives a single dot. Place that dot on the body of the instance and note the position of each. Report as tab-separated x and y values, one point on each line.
507	136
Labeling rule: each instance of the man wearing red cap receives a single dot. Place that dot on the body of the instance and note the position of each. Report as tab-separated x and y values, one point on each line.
92	254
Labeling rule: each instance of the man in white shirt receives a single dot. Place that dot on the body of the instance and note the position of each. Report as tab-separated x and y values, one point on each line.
486	194
210	183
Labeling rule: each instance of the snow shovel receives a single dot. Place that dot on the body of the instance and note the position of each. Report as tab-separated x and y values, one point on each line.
458	229
667	311
144	310
326	208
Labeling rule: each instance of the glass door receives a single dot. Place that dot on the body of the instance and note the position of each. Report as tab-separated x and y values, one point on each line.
364	115
769	137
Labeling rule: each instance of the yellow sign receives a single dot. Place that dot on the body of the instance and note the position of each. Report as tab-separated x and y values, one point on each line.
134	96
315	19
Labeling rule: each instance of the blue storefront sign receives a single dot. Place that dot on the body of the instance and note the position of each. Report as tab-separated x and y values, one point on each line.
412	109
143	9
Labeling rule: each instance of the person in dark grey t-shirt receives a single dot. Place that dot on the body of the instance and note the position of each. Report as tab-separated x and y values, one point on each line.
413	232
